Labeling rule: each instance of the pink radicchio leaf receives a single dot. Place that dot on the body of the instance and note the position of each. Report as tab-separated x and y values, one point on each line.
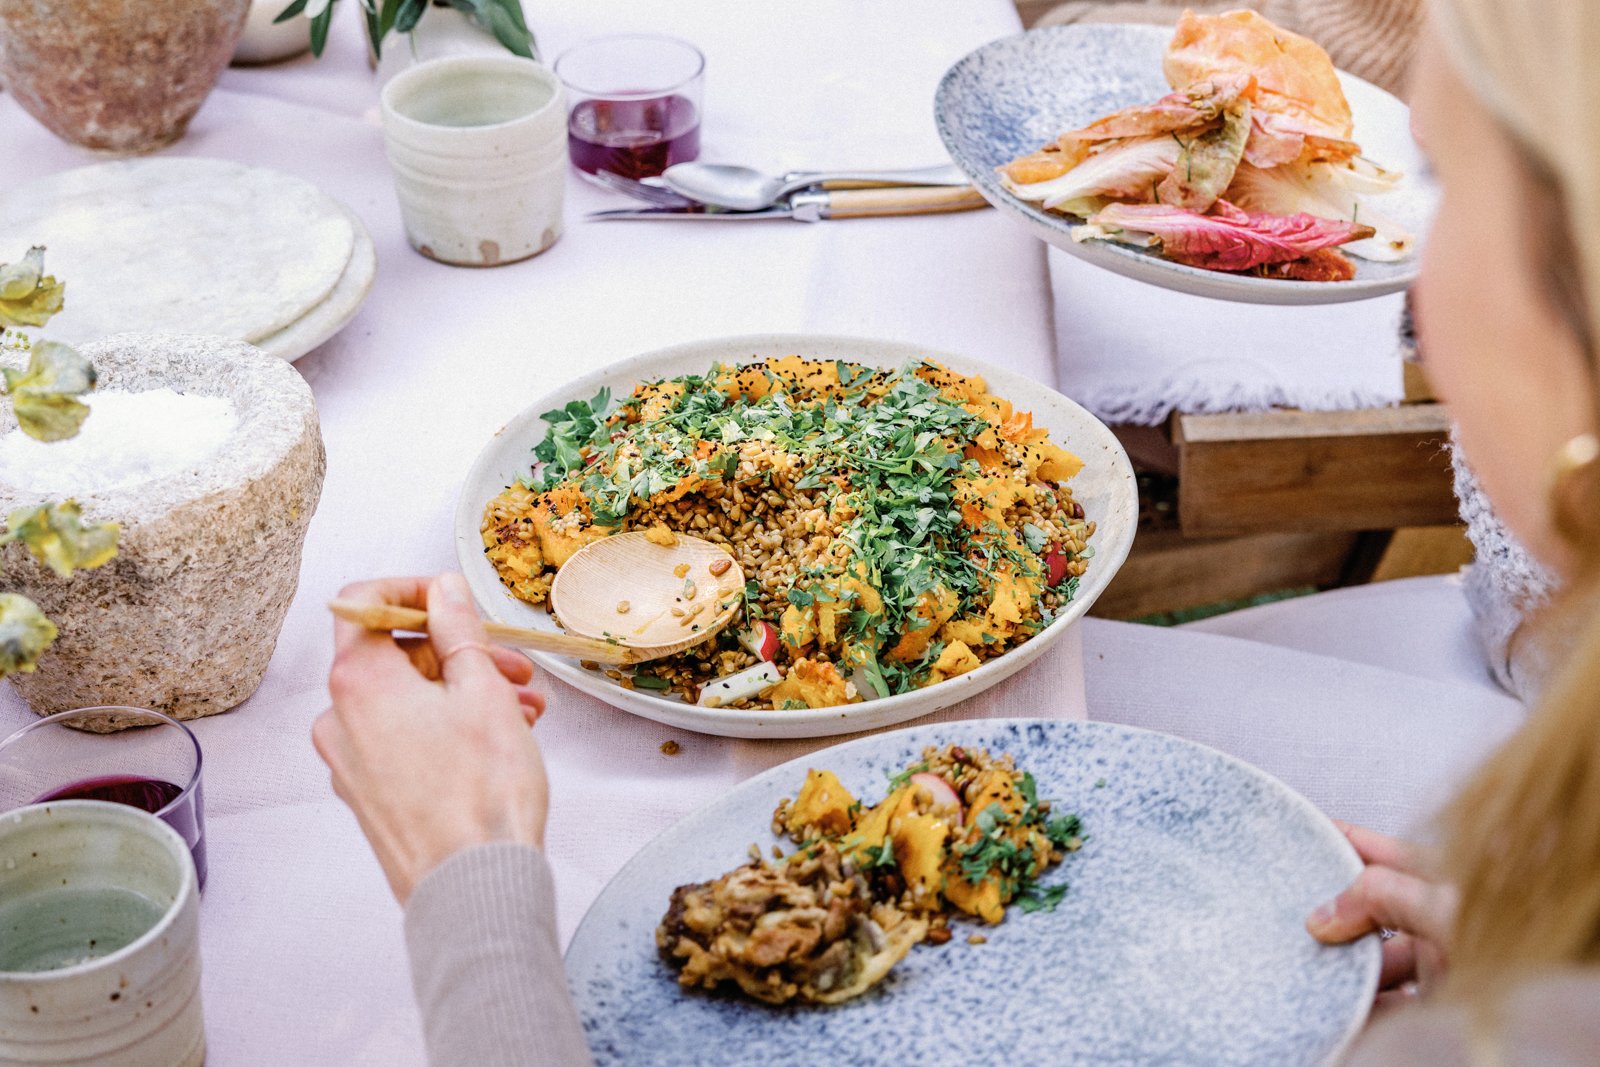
1228	239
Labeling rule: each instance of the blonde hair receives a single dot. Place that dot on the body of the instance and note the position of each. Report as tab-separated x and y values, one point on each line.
1523	837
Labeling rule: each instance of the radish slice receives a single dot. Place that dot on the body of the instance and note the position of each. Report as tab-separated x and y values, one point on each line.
740	685
1055	567
762	640
943	793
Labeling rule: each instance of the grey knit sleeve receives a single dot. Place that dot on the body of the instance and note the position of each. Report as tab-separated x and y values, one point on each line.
1504	586
486	962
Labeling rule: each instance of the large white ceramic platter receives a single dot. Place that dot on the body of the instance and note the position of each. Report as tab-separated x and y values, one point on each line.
188	245
1014	95
1105	488
1180	941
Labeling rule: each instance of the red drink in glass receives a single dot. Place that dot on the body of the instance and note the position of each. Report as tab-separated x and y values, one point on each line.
633	138
635	103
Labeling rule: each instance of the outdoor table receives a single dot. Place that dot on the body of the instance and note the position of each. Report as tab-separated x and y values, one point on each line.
303	955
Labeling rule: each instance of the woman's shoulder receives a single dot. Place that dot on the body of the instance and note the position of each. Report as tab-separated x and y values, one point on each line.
1550	1021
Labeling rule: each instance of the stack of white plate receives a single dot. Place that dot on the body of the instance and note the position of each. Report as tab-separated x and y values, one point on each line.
193	246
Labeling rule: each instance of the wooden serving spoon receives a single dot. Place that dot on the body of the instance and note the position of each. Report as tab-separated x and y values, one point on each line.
625	599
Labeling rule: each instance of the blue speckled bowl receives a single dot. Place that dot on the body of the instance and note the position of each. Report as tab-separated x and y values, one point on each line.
1014	95
1180	941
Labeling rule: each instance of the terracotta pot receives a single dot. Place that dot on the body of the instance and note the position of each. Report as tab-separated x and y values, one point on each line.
118	75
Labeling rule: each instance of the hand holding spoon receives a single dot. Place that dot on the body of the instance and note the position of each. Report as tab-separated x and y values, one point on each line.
626	599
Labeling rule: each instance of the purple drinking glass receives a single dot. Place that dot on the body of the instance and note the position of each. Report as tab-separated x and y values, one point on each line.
154	764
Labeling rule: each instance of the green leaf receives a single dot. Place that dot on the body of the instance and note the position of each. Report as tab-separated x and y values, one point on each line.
25	633
319	30
504	19
57	537
290	12
28	296
407	14
45	393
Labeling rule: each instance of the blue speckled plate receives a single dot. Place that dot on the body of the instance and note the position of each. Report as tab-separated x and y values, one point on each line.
1180	941
1016	94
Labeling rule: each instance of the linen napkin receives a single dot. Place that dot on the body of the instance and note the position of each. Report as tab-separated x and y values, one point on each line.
1132	353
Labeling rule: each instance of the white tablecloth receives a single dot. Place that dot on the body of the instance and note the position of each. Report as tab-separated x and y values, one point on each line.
304	962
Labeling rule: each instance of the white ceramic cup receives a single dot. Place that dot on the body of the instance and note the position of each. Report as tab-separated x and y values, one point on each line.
478	146
77	876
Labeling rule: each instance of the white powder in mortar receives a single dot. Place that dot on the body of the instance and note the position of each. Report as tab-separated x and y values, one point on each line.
128	438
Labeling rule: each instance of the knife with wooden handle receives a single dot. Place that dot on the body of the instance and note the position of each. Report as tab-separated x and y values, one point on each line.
837	204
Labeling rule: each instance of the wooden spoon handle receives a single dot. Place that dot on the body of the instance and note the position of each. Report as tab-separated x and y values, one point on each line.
390	617
907	200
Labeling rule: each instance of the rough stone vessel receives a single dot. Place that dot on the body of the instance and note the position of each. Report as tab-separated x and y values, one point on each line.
186	616
117	75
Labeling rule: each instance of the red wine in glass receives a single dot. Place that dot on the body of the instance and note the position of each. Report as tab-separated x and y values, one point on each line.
149	794
633	138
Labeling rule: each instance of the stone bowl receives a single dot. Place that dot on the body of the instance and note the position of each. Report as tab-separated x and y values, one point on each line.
186	616
117	77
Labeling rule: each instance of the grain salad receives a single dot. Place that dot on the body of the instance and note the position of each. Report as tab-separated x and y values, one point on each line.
960	836
897	527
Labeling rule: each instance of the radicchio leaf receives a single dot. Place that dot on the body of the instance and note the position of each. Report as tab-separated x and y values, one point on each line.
1228	240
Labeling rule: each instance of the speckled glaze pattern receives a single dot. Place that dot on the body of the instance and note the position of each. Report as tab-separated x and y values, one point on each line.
1105	487
1180	942
1016	94
116	75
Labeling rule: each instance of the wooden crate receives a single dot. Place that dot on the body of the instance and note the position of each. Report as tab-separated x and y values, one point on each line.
1304	471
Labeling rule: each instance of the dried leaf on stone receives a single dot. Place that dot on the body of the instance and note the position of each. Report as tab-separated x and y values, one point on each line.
28	296
45	393
25	634
57	537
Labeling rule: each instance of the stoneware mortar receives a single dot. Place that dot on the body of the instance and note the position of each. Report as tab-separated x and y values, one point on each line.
186	616
136	1007
478	146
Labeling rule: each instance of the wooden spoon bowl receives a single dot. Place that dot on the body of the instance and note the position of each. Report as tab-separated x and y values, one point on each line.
633	590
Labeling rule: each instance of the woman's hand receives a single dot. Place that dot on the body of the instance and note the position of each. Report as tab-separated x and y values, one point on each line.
1392	894
428	739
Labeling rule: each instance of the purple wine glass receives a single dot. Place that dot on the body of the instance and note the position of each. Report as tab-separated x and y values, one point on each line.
154	764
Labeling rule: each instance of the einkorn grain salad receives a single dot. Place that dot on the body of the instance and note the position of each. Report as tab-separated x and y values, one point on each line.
898	527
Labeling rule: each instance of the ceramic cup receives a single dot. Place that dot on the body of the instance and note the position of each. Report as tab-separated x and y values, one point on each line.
99	939
478	146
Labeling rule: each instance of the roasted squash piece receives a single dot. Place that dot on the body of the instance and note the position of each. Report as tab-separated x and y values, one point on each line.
813	683
872	829
564	524
993	786
933	609
955	659
819	375
981	899
657	399
824	807
972	631
797	628
749	382
919	853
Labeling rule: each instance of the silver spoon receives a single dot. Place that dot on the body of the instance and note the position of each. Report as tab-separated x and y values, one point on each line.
744	189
